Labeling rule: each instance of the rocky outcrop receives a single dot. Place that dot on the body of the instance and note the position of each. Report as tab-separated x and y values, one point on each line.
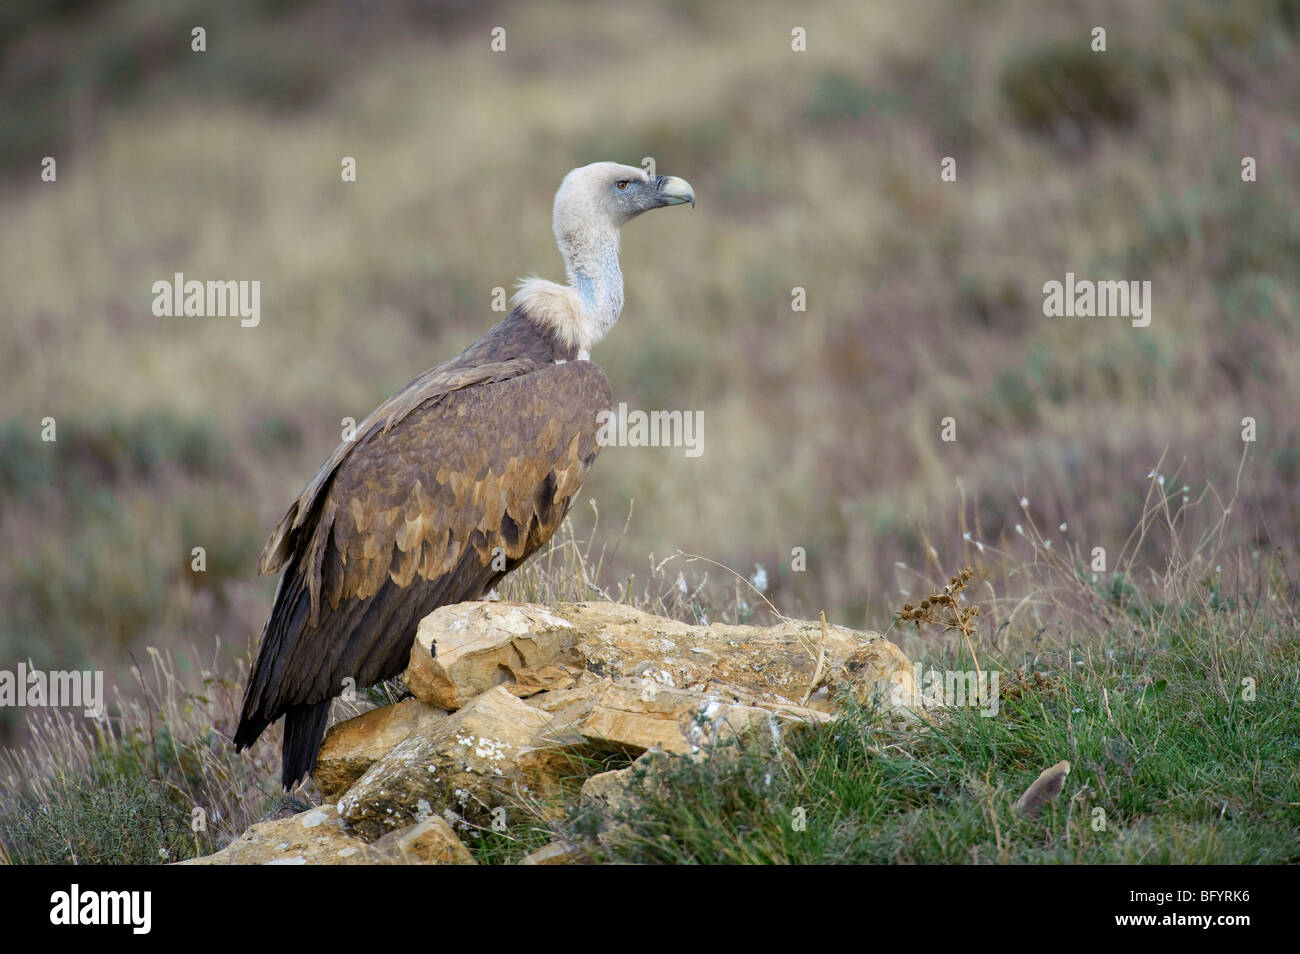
526	648
510	698
530	649
353	746
321	837
464	763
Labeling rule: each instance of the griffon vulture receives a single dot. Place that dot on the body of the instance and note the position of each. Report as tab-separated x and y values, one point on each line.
476	458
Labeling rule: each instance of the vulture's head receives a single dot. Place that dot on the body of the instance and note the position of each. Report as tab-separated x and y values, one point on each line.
607	194
593	203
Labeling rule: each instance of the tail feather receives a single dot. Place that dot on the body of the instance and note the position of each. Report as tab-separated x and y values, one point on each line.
304	730
367	639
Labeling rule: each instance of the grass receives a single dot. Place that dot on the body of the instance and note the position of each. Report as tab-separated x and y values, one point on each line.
1179	724
106	819
155	781
119	810
1171	695
1190	776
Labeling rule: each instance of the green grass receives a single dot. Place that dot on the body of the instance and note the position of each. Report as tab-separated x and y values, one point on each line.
120	810
1170	765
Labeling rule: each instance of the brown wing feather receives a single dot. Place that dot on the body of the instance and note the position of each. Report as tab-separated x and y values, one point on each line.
406	504
430	387
407	520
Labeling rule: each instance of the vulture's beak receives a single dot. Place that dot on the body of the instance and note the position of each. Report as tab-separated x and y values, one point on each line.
673	191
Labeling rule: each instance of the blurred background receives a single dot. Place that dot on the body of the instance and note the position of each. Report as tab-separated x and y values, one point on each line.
817	169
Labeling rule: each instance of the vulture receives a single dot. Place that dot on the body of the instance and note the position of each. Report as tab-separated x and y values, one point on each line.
449	484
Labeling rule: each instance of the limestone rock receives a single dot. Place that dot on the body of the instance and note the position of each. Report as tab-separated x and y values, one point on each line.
314	837
430	842
466	648
320	837
529	648
644	715
556	853
548	766
598	678
568	705
351	747
611	793
464	762
637	718
873	672
609	789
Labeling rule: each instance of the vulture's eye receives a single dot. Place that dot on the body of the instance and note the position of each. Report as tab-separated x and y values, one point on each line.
622	184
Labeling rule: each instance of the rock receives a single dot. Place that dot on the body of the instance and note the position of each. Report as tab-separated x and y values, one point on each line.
873	672
556	853
351	747
645	715
467	648
533	691
611	795
528	648
629	718
567	705
1044	789
548	768
430	842
609	789
464	762
639	718
598	679
314	837
320	837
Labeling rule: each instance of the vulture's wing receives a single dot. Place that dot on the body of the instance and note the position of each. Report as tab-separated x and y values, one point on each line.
407	518
428	388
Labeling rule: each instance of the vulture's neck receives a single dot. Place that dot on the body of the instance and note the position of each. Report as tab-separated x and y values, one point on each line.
592	267
581	312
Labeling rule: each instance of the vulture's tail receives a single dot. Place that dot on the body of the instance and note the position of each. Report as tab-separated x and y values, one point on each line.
304	730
